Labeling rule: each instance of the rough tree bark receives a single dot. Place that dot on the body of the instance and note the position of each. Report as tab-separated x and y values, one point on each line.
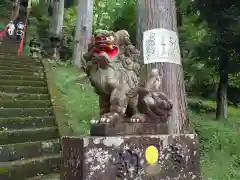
153	14
60	16
56	24
52	24
83	30
222	100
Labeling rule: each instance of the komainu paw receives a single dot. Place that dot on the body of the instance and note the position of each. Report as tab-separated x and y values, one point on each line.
110	118
139	118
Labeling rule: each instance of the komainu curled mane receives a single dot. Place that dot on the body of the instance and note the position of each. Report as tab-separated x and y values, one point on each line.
112	65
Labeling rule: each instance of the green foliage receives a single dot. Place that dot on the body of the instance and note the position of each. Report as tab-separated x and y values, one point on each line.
5	10
200	107
78	96
70	17
39	10
220	144
126	19
105	12
208	30
70	3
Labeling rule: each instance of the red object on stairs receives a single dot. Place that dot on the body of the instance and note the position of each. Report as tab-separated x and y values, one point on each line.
20	49
3	33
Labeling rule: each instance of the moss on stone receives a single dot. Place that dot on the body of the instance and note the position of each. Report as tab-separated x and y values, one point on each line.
23	89
64	128
27	135
3	170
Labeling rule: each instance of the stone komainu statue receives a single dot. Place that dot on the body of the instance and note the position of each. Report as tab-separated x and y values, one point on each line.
111	64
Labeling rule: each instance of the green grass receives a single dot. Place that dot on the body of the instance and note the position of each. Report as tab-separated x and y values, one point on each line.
220	140
78	95
220	144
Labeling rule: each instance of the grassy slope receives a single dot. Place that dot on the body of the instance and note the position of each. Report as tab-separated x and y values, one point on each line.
81	102
220	142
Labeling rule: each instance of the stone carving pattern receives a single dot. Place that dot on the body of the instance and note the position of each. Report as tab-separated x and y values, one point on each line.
127	164
175	156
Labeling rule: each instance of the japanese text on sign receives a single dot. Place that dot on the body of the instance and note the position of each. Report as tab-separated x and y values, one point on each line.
161	45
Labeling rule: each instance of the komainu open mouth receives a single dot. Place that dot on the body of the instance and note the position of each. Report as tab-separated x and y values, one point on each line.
111	51
105	44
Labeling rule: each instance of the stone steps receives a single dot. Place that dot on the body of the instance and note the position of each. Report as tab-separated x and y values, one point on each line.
20	78
21	68
22	83
24	89
25	112
27	135
23	96
26	122
18	151
12	56
25	103
8	60
15	64
22	169
21	60
20	73
46	177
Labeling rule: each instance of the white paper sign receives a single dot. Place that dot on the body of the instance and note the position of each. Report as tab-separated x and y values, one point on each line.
161	45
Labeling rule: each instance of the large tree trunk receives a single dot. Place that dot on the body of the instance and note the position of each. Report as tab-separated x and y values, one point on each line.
83	30
56	23
222	100
60	16
153	14
52	24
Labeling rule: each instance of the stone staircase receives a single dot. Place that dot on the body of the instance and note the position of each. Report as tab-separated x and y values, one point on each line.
29	139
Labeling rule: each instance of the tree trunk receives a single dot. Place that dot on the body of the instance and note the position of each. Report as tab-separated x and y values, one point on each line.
60	16
52	24
56	24
83	30
153	14
222	100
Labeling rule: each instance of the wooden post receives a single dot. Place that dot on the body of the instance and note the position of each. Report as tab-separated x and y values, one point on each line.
83	31
153	14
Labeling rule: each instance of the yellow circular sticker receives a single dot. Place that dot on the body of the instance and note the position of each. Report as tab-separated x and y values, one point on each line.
151	155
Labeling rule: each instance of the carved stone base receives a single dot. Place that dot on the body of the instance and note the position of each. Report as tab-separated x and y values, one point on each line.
147	157
128	129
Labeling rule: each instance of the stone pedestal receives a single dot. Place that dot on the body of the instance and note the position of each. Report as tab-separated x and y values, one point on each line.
146	157
121	129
